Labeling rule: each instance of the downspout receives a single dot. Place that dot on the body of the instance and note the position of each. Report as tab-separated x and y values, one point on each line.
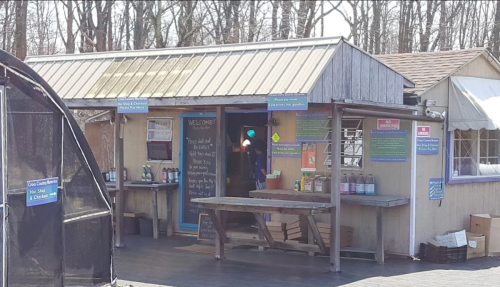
413	183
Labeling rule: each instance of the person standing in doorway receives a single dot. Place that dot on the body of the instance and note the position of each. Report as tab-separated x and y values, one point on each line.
260	165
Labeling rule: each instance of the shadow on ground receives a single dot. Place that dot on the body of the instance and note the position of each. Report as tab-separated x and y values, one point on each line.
156	263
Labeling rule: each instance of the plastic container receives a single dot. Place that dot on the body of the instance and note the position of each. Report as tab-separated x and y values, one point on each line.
352	184
273	183
344	185
146	227
443	254
370	185
360	185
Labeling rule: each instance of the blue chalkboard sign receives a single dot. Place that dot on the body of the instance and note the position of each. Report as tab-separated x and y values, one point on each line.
42	191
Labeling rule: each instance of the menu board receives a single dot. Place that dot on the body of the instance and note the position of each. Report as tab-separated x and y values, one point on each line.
206	228
199	164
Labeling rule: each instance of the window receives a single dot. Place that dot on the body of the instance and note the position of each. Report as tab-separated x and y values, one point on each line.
159	139
475	153
351	149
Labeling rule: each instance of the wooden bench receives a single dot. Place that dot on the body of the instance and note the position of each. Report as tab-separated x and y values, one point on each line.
259	207
378	201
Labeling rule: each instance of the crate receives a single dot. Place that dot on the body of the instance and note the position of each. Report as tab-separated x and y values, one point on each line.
443	254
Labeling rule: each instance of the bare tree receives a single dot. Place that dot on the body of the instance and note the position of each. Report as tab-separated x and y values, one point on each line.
20	34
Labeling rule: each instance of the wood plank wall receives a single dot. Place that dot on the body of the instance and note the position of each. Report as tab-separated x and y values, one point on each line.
352	74
392	179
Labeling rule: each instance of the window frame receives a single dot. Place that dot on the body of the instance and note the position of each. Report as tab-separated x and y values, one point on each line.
450	160
328	143
160	140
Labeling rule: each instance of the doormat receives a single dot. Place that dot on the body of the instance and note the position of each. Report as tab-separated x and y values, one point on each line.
198	248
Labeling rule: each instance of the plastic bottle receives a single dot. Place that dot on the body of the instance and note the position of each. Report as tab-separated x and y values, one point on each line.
176	175
144	172
164	175
352	184
370	185
171	176
112	175
149	174
360	185
344	185
303	181
124	174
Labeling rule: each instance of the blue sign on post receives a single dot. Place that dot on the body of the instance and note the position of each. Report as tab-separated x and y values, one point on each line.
428	146
42	191
132	105
436	188
295	102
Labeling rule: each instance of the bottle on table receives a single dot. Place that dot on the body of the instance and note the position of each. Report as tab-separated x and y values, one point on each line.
360	185
344	185
352	184
370	185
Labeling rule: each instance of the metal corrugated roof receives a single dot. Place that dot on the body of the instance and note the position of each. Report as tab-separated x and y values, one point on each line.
278	67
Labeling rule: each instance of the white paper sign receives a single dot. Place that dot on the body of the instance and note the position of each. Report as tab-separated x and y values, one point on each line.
473	244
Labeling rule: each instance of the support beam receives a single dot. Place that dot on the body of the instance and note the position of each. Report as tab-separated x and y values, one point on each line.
357	112
220	156
335	190
120	196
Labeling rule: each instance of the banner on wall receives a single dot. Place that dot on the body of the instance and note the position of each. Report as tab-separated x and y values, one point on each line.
388	145
308	157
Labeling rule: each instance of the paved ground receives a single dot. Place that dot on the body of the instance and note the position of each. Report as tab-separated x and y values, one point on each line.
146	262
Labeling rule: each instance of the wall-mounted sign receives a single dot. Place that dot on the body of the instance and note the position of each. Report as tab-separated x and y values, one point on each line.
286	149
42	191
387	124
428	146
423	131
388	145
276	137
311	127
132	105
436	188
308	157
293	102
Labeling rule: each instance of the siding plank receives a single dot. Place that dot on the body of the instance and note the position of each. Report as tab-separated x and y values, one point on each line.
327	84
382	82
356	74
399	89
316	95
391	77
374	81
337	76
365	77
347	71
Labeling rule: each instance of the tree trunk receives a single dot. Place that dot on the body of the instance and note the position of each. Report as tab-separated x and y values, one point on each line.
110	27
138	25
285	19
236	20
376	26
70	42
442	27
251	22
274	20
20	32
310	18
126	19
301	18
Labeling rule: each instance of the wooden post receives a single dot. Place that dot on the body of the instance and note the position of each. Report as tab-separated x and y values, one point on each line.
380	237
220	167
335	190
120	196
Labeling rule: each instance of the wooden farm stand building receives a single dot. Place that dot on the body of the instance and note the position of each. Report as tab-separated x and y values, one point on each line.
203	101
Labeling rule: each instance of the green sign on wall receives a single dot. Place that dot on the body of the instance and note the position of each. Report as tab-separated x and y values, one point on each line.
311	127
388	145
286	150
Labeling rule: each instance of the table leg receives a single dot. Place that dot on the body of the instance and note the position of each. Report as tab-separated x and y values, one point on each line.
155	214
380	237
221	233
263	227
170	227
317	235
261	237
310	239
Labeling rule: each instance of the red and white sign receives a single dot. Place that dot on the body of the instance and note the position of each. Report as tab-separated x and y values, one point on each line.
423	132
387	124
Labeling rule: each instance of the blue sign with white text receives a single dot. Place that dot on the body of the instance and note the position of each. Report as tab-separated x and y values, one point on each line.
295	102
132	106
428	146
436	188
42	191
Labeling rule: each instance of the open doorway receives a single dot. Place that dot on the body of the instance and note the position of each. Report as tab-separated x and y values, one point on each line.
244	131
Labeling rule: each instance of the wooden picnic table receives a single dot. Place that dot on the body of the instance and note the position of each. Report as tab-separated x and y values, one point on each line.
259	207
154	188
378	201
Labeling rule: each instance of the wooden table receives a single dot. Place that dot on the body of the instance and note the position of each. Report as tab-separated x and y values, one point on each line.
259	207
155	188
378	201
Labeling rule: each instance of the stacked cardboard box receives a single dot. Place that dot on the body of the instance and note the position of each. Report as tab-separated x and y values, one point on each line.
346	234
277	230
297	230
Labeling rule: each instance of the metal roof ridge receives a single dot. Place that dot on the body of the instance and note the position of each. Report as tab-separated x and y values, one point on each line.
189	50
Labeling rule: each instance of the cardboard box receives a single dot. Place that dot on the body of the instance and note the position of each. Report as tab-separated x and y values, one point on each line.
452	239
489	225
309	185
346	236
475	245
297	235
322	184
300	223
276	226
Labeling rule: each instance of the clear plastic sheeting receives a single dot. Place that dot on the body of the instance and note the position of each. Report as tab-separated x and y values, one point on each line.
60	234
